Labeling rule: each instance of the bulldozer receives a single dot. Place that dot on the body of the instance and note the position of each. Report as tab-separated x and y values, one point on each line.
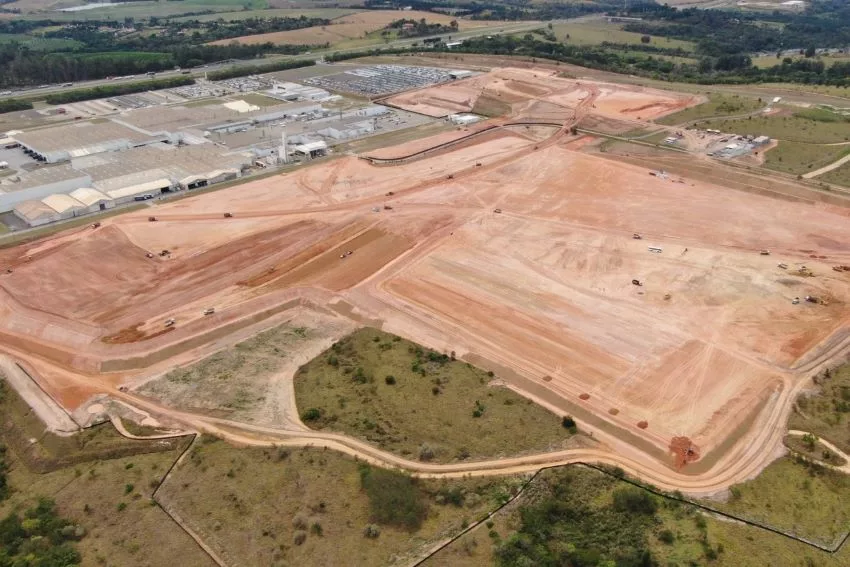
228	215
151	219
637	236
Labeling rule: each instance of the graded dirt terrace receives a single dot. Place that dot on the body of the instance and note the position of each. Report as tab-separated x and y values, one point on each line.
709	347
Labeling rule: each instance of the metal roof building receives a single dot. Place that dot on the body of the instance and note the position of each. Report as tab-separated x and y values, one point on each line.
64	205
92	199
35	213
61	143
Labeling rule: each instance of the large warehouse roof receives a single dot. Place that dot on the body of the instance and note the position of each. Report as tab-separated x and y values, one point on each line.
79	137
89	196
62	203
32	211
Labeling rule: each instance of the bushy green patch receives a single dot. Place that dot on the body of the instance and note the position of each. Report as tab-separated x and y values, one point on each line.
394	498
826	413
39	538
582	518
717	105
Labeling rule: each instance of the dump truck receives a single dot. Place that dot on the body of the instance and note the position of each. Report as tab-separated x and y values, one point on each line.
782	266
637	283
149	255
151	219
795	301
636	236
95	225
497	210
170	322
812	299
390	193
209	310
478	164
164	252
387	208
765	252
841	268
228	215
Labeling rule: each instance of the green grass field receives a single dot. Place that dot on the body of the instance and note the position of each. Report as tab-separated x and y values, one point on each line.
797	127
257	99
717	105
418	403
799	158
772	60
838	176
825	412
594	33
309	507
812	448
143	10
579	517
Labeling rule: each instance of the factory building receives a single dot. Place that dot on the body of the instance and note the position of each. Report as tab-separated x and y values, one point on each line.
35	213
62	143
65	206
293	92
40	183
92	199
464	119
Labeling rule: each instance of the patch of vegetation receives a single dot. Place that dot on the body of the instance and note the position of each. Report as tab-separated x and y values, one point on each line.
245	70
394	498
39	538
838	176
260	505
105	91
826	412
811	447
799	158
19	425
717	105
435	407
799	497
794	127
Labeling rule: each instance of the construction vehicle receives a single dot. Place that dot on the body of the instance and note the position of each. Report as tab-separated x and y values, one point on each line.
151	219
812	299
841	268
209	310
451	176
478	164
804	271
497	210
387	208
149	255
170	322
655	249
376	209
8	270
95	225
165	252
783	266
349	253
637	283
228	215
795	301
637	236
390	193
765	252
667	297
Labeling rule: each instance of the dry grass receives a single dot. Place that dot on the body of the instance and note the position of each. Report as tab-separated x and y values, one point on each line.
824	412
391	392
248	505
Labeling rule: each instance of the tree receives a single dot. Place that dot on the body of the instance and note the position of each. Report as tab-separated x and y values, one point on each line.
810	51
810	441
645	39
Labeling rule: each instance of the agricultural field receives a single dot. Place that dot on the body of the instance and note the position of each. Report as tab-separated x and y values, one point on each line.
312	507
597	32
716	105
799	158
141	10
419	403
354	30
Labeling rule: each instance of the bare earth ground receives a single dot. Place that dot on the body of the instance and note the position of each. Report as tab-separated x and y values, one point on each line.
541	292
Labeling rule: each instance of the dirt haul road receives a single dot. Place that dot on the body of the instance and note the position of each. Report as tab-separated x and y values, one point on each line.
516	253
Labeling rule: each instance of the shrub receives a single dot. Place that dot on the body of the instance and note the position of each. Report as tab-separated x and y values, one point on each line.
371	531
390	380
128	488
316	528
299	522
122	506
568	422
311	414
299	537
666	536
426	452
635	500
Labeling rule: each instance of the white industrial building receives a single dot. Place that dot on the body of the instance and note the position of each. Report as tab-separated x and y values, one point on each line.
92	199
460	74
62	143
354	130
464	119
35	213
40	183
312	149
294	92
66	207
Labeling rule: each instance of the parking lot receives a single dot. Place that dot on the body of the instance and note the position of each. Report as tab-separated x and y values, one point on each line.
381	79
